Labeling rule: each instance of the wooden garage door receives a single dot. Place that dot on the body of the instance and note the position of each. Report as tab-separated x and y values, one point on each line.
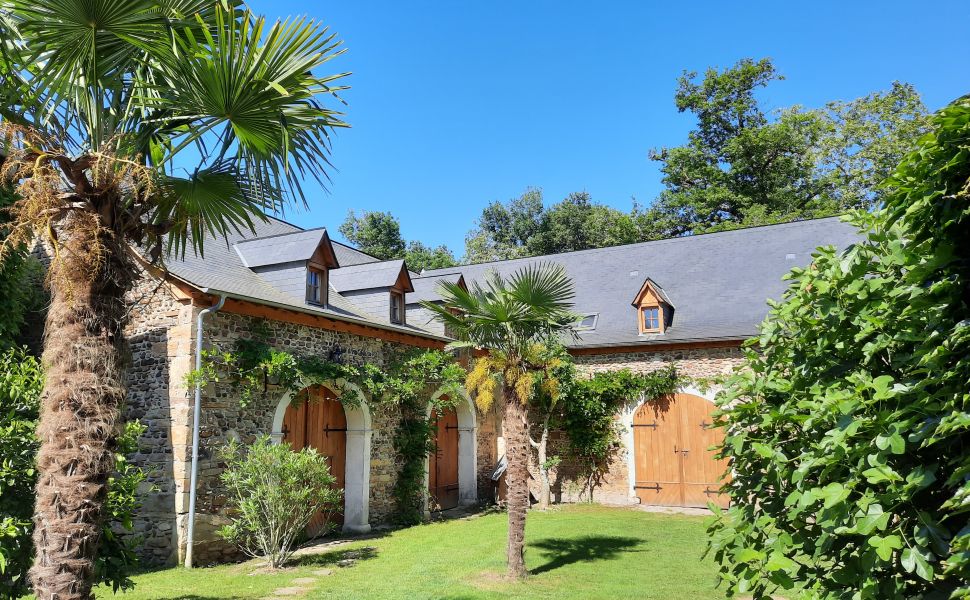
443	462
318	421
674	463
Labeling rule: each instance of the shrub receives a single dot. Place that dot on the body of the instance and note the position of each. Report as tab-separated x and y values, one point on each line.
849	430
273	494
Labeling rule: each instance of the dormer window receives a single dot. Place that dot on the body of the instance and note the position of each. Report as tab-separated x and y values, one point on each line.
650	319
316	286
654	309
397	307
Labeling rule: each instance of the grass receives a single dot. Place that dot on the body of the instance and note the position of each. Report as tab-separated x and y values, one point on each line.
582	551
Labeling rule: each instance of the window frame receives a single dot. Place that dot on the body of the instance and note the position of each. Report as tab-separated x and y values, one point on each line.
400	317
642	321
579	324
322	287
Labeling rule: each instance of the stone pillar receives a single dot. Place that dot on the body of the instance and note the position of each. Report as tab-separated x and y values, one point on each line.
467	466
181	363
357	482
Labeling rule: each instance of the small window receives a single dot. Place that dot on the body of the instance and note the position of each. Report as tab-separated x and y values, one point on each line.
316	286
586	322
397	307
651	318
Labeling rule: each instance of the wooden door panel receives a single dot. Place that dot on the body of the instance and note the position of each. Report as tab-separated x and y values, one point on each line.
319	422
443	462
656	433
702	470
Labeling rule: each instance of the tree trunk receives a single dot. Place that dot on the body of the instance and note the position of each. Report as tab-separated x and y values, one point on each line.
515	426
80	408
545	487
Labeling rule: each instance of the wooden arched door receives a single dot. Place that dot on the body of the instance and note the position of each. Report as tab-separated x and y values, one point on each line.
674	465
318	421
443	462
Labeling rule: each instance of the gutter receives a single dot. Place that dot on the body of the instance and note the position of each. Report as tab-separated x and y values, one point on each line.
196	421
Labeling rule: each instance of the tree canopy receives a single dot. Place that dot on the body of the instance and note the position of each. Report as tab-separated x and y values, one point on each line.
378	233
848	427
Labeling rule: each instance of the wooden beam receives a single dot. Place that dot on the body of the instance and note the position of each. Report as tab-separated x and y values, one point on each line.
656	347
253	309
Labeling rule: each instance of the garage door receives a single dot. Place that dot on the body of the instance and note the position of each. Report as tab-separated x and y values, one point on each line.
673	462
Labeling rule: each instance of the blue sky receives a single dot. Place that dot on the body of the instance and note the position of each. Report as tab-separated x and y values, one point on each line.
456	104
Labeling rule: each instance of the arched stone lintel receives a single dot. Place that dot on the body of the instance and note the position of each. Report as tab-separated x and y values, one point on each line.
357	466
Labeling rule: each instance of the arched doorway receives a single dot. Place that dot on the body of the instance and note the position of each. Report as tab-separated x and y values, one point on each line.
315	419
443	462
355	472
673	464
453	470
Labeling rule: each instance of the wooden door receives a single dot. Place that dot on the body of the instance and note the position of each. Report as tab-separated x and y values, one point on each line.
443	462
318	421
674	465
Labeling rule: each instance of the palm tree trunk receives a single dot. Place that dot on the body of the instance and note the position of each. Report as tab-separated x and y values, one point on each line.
80	408
515	426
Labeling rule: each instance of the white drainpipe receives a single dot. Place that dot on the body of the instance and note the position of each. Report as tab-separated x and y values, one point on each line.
197	418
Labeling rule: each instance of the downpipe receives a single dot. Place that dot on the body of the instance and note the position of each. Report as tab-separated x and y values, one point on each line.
196	420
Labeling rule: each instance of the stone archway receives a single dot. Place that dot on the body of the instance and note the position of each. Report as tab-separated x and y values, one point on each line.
467	452
357	461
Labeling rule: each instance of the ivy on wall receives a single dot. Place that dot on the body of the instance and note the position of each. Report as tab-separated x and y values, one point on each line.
408	384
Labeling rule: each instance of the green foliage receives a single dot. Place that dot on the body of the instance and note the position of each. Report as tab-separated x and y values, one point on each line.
407	384
274	492
742	167
523	227
21	383
588	411
848	429
379	234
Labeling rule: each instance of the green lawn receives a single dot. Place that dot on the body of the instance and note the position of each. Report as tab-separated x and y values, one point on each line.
573	552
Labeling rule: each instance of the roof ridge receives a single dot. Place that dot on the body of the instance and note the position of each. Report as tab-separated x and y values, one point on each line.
661	241
276	235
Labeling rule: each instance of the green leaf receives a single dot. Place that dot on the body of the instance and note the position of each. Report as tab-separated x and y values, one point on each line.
913	561
885	545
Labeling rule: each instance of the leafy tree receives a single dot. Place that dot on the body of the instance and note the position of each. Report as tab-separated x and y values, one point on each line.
101	101
376	233
522	227
20	281
511	321
379	234
848	428
420	257
742	167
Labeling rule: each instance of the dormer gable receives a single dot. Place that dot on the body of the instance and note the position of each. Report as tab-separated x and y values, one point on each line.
655	311
297	263
379	288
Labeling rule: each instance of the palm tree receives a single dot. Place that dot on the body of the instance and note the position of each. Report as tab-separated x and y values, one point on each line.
511	321
102	104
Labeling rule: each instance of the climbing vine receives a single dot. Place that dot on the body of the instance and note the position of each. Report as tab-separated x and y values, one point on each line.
588	412
409	384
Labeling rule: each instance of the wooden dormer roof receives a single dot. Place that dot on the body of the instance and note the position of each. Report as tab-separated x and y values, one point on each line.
651	293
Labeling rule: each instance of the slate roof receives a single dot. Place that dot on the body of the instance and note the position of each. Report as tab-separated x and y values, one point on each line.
365	276
718	282
426	287
222	270
280	248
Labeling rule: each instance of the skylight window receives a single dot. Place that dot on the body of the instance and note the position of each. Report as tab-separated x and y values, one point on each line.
586	322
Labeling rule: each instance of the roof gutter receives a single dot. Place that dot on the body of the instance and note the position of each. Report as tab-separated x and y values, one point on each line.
196	421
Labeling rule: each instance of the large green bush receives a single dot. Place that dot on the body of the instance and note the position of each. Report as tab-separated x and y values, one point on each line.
273	494
848	430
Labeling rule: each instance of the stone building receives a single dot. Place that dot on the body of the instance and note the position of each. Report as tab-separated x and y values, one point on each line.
689	301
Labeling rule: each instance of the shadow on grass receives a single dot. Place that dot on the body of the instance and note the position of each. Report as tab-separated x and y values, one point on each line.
565	551
329	559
